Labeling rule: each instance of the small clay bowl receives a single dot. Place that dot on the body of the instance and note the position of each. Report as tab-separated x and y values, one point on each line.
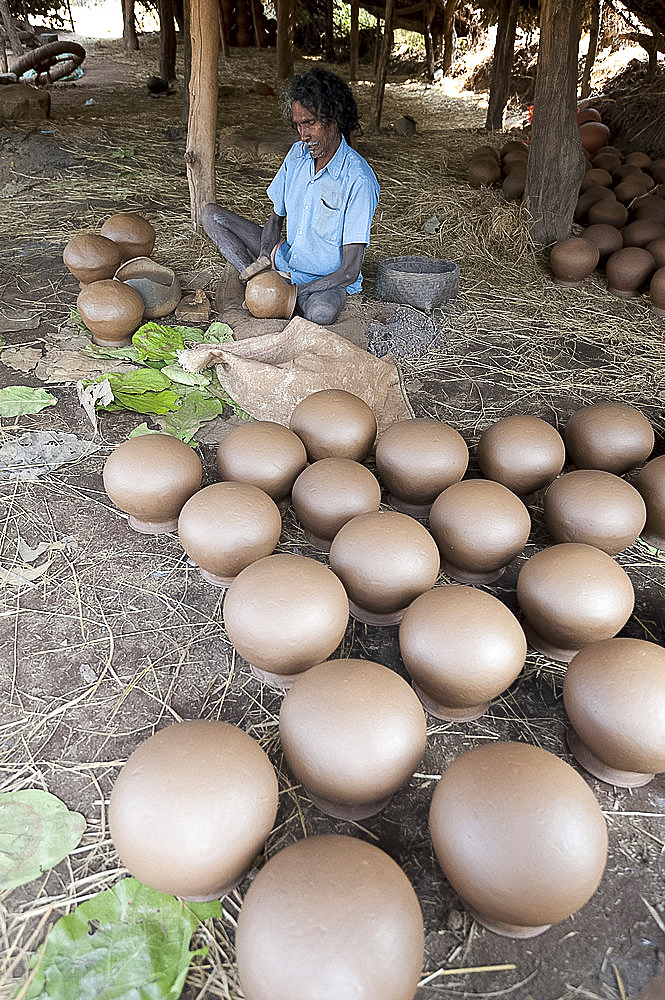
91	257
611	436
416	460
265	454
522	452
333	423
269	296
650	482
594	507
134	235
329	493
157	285
111	311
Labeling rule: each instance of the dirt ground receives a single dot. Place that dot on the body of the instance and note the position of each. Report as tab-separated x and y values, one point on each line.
120	635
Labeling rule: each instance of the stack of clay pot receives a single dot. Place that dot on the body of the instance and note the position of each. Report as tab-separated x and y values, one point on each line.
507	166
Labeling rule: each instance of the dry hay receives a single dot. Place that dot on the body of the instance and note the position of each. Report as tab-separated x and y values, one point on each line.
633	108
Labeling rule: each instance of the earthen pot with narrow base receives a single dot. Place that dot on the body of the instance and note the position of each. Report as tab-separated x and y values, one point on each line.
519	836
416	460
333	917
657	292
522	452
596	175
612	436
334	423
571	595
483	170
605	159
111	310
91	257
192	807
151	477
353	732
632	187
614	695
462	648
385	560
329	493
283	614
641	160
479	527
650	482
265	454
134	235
573	260
594	507
608	239
269	295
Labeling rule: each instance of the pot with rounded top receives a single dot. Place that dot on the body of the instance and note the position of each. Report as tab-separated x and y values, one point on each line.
593	136
418	459
650	481
596	175
606	238
625	170
328	493
642	231
657	291
91	257
605	159
483	171
522	452
609	213
657	250
649	207
657	170
589	198
610	435
269	295
134	235
588	115
111	311
157	285
514	183
595	507
632	188
573	260
628	270
265	454
641	160
334	423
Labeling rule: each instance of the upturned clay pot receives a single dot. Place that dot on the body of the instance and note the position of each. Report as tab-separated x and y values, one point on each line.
608	212
535	841
269	295
335	911
514	158
573	260
588	115
385	561
596	175
416	460
226	527
611	436
606	160
157	285
522	452
589	198
352	732
333	423
264	454
479	527
641	160
614	695
593	135
151	477
111	311
329	493
606	238
625	170
594	507
192	807
649	206
632	187
657	291
571	595
650	482
657	250
91	257
642	231
283	614
487	150
134	235
627	271
514	183
462	648
657	170
483	170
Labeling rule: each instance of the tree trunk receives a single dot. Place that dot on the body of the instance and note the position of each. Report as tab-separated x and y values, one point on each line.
378	36
202	125
384	62
449	38
428	13
594	32
556	160
353	41
285	54
129	36
187	58
502	64
223	29
167	39
329	43
12	32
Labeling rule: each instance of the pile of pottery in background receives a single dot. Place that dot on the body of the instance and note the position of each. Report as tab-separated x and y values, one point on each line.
194	804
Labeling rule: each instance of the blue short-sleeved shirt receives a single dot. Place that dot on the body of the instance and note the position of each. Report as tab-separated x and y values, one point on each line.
323	210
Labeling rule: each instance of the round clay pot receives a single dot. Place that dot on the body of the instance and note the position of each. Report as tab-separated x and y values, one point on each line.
589	198
649	206
572	594
416	460
657	291
513	184
640	160
642	231
226	527
333	423
594	507
192	808
512	144
487	150
111	311
595	176
483	170
523	453
608	212
133	234
573	260
151	477
353	732
625	170
611	436
657	250
283	614
385	560
606	238
514	157
588	115
627	271
329	493
332	911
269	295
462	648
593	135
657	170
157	285
633	186
534	843
606	160
264	454
614	695
479	527
650	482
91	257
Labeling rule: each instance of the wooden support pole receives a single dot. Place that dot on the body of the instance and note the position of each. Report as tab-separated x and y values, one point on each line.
129	37
354	40
167	39
502	64
11	30
384	62
285	26
594	32
202	124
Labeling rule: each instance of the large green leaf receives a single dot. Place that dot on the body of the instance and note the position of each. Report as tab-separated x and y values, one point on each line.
127	943
155	342
37	831
196	407
16	400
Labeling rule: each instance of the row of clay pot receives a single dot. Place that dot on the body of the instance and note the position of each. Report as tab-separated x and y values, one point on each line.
488	165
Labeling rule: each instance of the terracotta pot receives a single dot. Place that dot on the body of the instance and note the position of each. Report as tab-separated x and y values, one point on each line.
606	160
111	311
594	507
573	260
589	198
329	493
649	207
650	482
657	250
523	453
626	170
657	170
594	177
269	295
606	238
628	270
157	285
192	807
334	423
609	213
632	188
612	436
657	291
133	234
483	171
514	157
640	160
513	184
418	459
264	454
487	150
593	135
91	257
534	845
512	144
588	115
641	232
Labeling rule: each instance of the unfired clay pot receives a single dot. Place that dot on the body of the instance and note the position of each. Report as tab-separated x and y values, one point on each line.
283	614
609	213
657	250
596	175
269	295
522	452
514	183
593	135
329	493
91	257
606	159
573	260
589	198
641	232
519	835
606	238
265	454
641	160
111	311
385	560
333	911
353	733
157	285
649	206
479	527
461	647
571	595
151	477
614	695
416	460
333	423
594	507
612	436
226	527
134	235
650	481
657	291
192	807
632	187
483	170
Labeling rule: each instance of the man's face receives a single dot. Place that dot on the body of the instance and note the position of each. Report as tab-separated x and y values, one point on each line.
321	138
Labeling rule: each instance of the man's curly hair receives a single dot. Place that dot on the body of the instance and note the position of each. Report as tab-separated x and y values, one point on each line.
326	96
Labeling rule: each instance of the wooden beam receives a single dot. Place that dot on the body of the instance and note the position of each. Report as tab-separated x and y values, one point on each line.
502	64
285	26
202	123
353	40
384	62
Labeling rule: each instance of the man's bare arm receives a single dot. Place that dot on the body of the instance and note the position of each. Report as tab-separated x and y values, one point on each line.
346	273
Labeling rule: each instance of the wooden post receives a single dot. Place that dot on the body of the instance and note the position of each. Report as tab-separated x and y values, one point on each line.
449	35
3	56
354	41
258	28
384	62
10	28
202	125
223	47
167	39
502	64
594	32
187	58
285	53
129	36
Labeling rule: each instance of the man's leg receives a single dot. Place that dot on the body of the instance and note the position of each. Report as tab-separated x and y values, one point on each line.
322	308
237	239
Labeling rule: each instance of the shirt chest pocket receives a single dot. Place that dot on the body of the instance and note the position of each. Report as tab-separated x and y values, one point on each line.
328	218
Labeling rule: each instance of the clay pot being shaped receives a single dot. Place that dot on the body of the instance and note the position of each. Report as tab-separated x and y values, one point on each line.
226	527
111	311
614	695
594	507
385	561
606	238
353	733
609	213
192	808
91	257
535	841
265	454
657	250
650	483
611	436
333	423
642	231
628	270
573	260
483	170
657	291
151	477
283	614
335	911
133	234
479	527
462	648
270	296
589	198
329	493
596	175
157	285
571	595
416	460
522	452
593	136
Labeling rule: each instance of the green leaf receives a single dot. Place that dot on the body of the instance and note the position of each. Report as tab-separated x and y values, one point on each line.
196	408
127	943
179	375
130	353
37	831
155	342
216	333
16	400
138	381
141	430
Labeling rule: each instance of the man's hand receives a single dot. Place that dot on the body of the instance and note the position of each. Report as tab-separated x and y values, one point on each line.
262	263
271	235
